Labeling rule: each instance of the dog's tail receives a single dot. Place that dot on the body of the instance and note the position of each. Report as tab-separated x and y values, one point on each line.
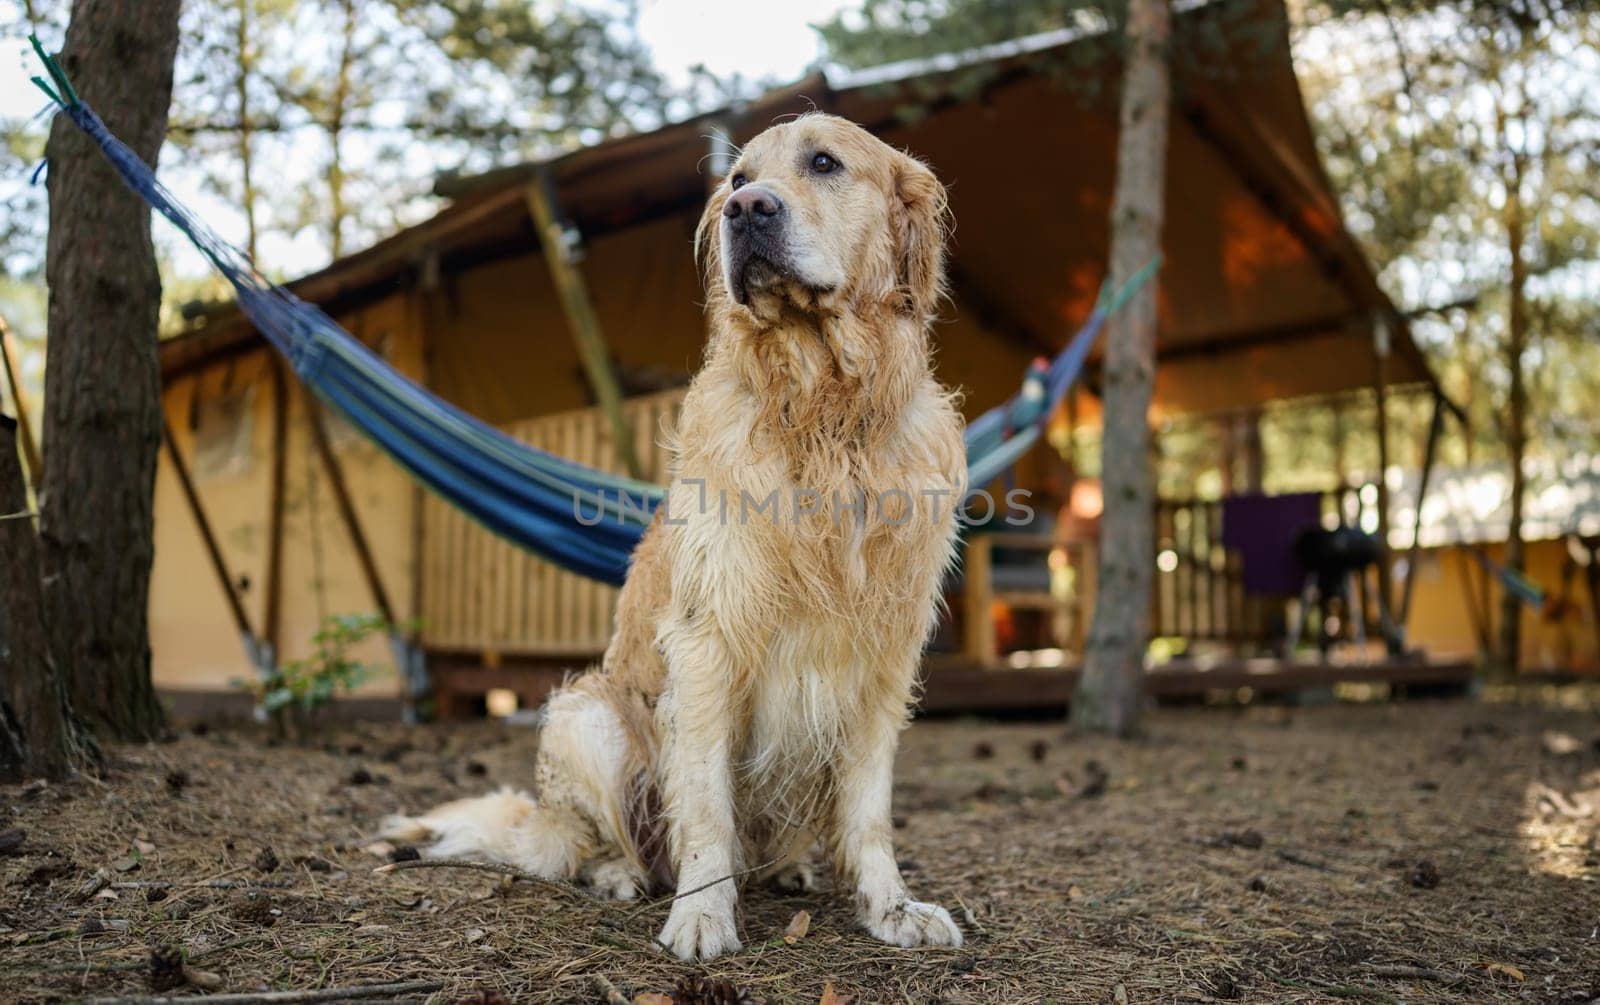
508	826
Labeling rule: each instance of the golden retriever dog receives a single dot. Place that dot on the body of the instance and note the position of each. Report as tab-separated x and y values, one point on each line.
770	631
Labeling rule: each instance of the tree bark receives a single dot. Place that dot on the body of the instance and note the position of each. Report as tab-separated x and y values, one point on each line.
39	736
102	419
1510	649
337	210
241	87
1110	689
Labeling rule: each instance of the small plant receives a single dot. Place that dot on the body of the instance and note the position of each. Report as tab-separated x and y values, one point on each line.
296	690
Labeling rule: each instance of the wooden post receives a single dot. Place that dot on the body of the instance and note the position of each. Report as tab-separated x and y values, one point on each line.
977	591
1341	471
1429	452
219	565
1228	463
347	511
561	254
30	448
1255	462
1380	382
272	619
421	303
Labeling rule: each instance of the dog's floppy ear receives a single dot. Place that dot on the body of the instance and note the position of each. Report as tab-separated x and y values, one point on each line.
921	219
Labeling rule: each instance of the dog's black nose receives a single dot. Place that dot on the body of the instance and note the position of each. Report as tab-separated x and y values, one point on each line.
752	206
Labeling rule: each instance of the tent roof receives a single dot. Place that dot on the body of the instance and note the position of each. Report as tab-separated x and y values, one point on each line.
1263	293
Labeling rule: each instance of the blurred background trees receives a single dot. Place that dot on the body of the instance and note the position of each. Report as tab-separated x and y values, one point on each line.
1460	136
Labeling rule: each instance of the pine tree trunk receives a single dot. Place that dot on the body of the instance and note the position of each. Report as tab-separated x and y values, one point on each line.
39	736
1110	690
241	85
102	420
1510	651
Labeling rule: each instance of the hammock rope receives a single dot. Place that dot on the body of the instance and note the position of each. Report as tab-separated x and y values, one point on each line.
585	520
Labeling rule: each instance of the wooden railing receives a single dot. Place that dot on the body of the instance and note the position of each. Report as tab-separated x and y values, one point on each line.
484	595
1201	595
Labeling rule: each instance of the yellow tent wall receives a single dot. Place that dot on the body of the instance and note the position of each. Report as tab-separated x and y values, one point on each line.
1442	624
194	642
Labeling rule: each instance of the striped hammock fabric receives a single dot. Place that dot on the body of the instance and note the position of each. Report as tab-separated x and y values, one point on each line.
580	518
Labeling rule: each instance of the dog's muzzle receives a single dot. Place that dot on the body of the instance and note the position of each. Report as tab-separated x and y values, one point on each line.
754	221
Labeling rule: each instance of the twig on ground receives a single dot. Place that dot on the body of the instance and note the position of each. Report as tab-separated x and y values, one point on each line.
676	894
496	868
609	991
209	884
284	997
1404	972
1310	863
1333	990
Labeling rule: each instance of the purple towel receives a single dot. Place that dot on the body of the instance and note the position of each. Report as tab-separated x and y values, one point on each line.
1263	529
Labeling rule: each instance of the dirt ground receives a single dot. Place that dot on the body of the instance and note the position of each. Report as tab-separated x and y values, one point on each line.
1411	851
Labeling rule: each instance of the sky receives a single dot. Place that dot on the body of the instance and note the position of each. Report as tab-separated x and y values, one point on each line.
758	41
770	42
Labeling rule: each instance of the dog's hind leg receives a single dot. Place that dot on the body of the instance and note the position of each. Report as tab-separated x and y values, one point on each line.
506	826
613	878
583	769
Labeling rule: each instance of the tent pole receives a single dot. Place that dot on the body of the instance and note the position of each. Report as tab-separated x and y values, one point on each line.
1380	381
271	623
30	449
407	655
1429	453
407	645
422	299
254	648
561	254
1341	471
347	512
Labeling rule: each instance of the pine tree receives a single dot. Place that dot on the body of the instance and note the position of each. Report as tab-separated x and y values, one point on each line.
102	416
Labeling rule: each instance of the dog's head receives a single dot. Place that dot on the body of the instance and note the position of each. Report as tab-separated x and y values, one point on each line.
820	216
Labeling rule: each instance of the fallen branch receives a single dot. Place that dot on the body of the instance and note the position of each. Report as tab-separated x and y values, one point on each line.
556	884
1310	863
1333	990
284	997
1402	972
497	869
676	894
209	884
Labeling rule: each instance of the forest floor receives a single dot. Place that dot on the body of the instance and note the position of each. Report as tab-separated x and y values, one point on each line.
1408	851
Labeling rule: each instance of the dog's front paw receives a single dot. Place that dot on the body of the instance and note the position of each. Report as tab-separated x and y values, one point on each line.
910	923
699	932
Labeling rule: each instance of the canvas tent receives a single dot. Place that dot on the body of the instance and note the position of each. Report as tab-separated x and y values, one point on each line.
1263	296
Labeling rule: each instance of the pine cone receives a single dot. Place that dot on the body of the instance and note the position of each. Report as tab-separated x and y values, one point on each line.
166	968
266	860
255	908
698	989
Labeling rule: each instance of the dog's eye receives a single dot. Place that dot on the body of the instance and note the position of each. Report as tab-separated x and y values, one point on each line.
824	164
738	181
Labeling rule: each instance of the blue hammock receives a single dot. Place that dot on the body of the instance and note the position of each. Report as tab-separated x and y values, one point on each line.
580	518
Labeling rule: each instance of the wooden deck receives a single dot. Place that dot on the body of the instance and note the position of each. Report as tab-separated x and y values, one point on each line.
953	685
